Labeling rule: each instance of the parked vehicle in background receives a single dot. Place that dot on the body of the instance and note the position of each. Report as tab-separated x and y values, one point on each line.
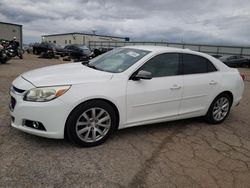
27	48
59	50
43	47
76	51
15	51
4	43
235	61
14	48
4	55
46	50
217	56
129	86
100	51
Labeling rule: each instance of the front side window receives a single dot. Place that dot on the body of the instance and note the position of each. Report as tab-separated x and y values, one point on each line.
83	47
193	64
118	60
163	65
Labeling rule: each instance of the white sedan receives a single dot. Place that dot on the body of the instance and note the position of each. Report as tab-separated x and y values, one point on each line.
125	87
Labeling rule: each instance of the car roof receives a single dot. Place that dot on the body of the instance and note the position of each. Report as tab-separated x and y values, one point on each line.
157	48
165	49
228	55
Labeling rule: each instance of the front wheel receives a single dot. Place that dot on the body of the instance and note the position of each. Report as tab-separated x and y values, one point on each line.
91	123
219	109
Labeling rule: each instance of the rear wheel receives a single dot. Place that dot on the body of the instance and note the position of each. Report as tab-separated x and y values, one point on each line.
219	109
245	65
91	123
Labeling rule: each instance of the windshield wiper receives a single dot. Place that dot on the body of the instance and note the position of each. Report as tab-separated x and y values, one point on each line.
86	62
92	66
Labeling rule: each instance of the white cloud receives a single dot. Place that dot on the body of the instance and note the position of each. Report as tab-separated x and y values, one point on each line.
169	20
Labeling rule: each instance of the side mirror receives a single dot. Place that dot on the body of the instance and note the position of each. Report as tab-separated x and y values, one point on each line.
142	74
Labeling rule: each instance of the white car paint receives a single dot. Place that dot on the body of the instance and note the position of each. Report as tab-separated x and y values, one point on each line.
138	102
153	100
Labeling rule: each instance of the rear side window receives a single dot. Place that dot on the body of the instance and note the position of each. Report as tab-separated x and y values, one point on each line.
193	64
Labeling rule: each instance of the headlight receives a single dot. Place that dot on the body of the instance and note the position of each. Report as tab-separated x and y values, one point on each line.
44	94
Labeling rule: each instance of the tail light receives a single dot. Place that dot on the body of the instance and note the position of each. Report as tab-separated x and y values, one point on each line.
243	76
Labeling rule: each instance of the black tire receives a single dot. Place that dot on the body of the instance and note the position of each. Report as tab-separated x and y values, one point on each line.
97	52
76	114
49	55
3	62
20	56
244	64
35	52
210	117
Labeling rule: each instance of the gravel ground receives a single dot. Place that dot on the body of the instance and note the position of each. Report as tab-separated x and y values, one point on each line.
186	153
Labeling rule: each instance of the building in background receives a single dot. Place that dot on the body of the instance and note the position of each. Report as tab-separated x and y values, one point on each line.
79	38
10	30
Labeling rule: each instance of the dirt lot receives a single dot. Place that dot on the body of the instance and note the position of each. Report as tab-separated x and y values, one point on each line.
187	153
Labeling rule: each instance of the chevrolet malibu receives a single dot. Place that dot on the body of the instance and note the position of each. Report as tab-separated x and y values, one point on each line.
125	87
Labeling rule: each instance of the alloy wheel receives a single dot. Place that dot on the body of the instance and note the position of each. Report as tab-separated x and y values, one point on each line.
221	108
93	124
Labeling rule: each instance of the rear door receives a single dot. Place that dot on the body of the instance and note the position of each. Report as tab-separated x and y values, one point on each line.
201	81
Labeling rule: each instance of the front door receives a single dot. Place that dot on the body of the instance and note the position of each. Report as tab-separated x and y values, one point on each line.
158	98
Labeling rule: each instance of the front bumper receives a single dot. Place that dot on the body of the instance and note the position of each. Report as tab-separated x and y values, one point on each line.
52	114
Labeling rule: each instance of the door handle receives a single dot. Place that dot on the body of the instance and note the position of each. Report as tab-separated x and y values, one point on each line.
213	82
175	87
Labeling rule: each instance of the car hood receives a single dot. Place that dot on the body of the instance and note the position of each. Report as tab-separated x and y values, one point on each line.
65	74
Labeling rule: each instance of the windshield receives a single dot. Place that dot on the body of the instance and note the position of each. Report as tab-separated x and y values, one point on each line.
84	47
52	45
118	60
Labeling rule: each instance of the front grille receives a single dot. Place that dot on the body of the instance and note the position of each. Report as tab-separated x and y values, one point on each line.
12	103
18	90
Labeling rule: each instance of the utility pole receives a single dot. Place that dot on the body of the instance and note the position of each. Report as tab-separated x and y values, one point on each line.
182	40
